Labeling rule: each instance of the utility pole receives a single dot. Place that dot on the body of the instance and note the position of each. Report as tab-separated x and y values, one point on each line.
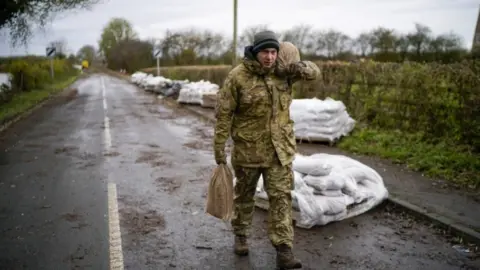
476	34
234	46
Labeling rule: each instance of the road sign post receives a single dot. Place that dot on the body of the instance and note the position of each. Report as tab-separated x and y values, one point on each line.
156	54
234	44
50	54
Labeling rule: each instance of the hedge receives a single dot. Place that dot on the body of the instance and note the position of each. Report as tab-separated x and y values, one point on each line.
30	74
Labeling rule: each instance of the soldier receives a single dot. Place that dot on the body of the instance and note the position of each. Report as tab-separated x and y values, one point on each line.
253	105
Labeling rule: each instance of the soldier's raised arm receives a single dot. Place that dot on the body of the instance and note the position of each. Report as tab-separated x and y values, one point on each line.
304	70
224	108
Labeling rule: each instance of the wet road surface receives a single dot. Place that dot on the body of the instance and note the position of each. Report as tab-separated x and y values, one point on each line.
64	170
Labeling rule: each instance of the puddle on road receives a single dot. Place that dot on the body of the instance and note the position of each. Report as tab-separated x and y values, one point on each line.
180	132
182	128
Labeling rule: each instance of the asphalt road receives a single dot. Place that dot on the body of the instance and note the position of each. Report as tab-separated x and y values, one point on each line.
114	161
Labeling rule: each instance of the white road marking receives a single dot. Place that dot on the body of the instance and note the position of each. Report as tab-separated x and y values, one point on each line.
108	136
115	236
106	120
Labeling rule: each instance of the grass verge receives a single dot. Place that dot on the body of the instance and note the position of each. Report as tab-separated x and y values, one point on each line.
454	163
24	101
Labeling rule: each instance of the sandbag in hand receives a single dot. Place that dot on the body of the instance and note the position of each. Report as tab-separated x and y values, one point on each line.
220	193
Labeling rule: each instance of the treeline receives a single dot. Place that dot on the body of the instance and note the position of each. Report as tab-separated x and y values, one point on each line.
120	47
380	44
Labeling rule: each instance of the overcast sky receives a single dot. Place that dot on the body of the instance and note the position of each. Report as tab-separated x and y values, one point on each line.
151	18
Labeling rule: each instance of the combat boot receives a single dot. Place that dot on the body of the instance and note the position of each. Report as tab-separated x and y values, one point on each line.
241	245
285	258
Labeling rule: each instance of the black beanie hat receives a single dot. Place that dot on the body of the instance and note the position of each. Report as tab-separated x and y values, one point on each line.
263	40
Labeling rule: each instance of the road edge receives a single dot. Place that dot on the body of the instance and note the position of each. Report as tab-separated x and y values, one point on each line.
452	227
20	116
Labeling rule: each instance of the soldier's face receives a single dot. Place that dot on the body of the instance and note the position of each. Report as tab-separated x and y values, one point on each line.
267	57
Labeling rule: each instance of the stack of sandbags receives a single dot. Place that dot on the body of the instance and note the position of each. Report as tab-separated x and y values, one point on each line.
192	93
320	120
137	77
331	188
156	83
145	81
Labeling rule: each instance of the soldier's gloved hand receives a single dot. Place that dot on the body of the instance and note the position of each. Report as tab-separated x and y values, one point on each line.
220	157
296	68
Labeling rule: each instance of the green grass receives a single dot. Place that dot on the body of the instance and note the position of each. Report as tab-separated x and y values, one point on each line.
26	100
453	163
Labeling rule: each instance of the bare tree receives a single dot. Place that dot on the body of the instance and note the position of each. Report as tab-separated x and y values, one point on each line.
419	38
20	16
301	36
363	43
248	34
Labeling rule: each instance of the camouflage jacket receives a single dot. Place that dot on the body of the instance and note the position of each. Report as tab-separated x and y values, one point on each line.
254	106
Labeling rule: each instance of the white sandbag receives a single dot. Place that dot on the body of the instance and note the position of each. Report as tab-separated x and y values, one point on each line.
348	165
260	190
298	179
145	80
339	188
155	83
320	120
5	80
329	193
305	165
318	106
332	181
315	137
192	93
319	210
137	77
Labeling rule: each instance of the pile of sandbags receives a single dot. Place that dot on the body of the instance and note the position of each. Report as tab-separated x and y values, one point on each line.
158	84
141	79
331	188
5	80
192	93
320	120
138	77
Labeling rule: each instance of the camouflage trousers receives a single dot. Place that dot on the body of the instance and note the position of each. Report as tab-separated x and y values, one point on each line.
278	182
